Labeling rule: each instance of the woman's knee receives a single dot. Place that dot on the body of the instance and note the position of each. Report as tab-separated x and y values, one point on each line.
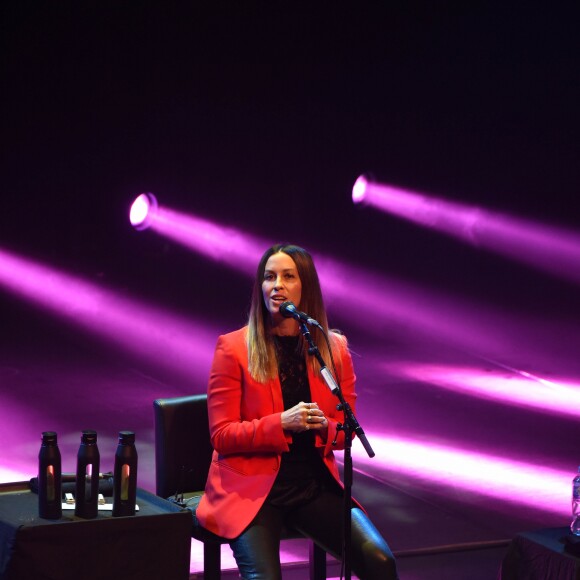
257	549
256	559
375	561
378	565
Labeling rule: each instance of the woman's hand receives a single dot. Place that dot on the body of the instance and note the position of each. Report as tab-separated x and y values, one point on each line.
304	416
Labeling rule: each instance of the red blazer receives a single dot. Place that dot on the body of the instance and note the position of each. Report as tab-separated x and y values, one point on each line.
247	436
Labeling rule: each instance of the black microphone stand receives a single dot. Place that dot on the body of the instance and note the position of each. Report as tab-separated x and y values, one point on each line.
349	427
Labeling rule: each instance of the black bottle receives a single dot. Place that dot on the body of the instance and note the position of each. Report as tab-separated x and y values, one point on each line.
49	478
125	476
87	483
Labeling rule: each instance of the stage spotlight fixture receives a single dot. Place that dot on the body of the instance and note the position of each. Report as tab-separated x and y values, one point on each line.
359	189
143	211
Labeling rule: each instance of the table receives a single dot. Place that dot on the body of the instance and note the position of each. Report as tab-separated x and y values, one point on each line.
541	555
155	543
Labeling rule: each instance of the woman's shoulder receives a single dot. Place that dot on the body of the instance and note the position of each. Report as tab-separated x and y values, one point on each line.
337	337
339	342
235	337
231	346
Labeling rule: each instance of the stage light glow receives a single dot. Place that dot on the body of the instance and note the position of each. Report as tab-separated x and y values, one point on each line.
143	211
142	329
223	244
368	299
511	386
359	189
377	297
548	248
8	474
535	487
376	303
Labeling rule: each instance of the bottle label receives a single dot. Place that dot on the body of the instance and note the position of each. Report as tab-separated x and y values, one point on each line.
50	486
125	473
88	478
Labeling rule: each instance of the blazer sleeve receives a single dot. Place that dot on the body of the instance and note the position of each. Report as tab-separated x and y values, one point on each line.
242	414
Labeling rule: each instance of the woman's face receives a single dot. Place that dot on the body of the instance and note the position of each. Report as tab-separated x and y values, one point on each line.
281	283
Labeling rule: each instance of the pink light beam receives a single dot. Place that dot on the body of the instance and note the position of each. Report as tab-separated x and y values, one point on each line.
137	327
368	299
527	484
514	387
547	248
377	297
223	244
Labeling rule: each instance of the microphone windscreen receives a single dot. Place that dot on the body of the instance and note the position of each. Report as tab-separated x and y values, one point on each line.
287	309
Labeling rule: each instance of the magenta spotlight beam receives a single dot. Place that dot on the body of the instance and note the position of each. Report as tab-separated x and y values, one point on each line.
508	386
365	298
532	486
375	302
547	248
378	304
137	327
236	249
359	294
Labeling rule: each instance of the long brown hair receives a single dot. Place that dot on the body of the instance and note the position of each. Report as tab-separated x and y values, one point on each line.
262	362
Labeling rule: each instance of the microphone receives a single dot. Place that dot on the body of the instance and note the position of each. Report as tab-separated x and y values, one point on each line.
288	310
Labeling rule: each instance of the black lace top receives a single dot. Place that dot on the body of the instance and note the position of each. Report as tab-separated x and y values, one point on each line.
301	470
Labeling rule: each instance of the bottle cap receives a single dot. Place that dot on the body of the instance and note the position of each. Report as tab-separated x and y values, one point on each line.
50	437
89	437
126	437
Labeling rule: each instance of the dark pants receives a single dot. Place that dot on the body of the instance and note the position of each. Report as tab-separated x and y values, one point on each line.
257	549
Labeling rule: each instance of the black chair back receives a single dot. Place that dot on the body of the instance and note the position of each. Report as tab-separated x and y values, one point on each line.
182	446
